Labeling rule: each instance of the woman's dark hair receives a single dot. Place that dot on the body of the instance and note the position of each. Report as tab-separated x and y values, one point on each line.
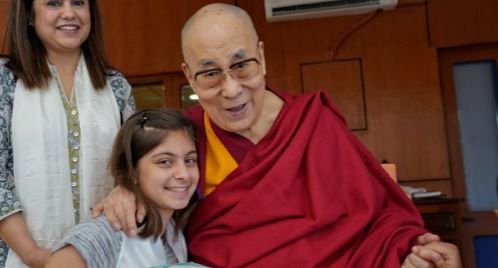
140	134
27	55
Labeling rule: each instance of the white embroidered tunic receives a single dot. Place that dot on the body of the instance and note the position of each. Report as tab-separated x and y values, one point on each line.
51	167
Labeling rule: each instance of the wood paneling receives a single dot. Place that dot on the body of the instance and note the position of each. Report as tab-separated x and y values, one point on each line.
400	76
343	82
442	217
172	83
4	7
462	22
143	37
404	109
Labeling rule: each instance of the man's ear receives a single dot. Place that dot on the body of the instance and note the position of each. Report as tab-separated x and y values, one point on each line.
187	73
186	70
261	50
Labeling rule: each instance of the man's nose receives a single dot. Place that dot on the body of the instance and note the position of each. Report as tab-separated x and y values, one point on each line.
231	87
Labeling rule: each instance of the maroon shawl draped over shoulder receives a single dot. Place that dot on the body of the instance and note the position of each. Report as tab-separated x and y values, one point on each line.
309	194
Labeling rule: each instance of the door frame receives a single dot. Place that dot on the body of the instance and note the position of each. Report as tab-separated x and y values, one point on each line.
473	223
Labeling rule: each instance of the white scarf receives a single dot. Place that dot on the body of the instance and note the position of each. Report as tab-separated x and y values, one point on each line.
41	159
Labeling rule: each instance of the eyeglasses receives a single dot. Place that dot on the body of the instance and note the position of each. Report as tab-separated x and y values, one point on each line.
240	71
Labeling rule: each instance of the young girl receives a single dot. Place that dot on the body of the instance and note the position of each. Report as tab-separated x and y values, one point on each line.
154	156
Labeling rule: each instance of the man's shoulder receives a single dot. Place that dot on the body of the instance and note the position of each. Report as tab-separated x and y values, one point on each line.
288	96
307	102
294	99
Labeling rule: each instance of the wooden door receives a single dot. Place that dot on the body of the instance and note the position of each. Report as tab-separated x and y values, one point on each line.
163	90
477	220
4	8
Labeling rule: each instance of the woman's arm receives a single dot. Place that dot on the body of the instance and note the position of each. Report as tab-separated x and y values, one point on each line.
15	232
13	228
67	256
123	92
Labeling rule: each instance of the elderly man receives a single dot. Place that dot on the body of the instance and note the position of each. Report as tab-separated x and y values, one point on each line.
284	182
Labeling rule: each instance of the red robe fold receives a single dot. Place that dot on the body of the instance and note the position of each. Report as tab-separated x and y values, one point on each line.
309	194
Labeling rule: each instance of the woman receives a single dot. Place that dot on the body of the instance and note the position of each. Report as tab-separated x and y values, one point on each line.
154	157
60	108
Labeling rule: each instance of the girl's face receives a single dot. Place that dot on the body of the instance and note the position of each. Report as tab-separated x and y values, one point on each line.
168	174
62	25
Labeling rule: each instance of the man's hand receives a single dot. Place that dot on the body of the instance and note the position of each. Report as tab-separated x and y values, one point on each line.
121	209
434	254
415	261
427	238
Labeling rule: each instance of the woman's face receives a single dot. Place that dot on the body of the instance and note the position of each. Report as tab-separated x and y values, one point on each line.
62	25
168	174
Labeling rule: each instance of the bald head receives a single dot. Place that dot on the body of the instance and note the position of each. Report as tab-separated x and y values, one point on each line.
225	66
216	18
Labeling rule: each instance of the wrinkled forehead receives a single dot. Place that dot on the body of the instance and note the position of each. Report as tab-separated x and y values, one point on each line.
219	39
202	58
209	60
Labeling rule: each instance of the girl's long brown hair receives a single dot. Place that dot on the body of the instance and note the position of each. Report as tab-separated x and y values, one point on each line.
140	134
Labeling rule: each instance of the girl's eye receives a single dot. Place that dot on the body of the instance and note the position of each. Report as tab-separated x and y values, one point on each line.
53	3
191	161
79	3
166	162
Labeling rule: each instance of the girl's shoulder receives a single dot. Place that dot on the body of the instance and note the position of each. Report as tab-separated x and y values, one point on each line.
98	229
95	240
101	222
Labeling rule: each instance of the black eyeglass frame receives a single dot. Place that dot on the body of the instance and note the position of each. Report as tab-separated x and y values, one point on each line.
229	67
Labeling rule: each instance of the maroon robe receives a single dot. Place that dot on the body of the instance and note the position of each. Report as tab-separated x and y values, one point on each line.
309	194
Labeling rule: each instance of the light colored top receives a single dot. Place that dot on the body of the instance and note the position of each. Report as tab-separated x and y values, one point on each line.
9	200
101	246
